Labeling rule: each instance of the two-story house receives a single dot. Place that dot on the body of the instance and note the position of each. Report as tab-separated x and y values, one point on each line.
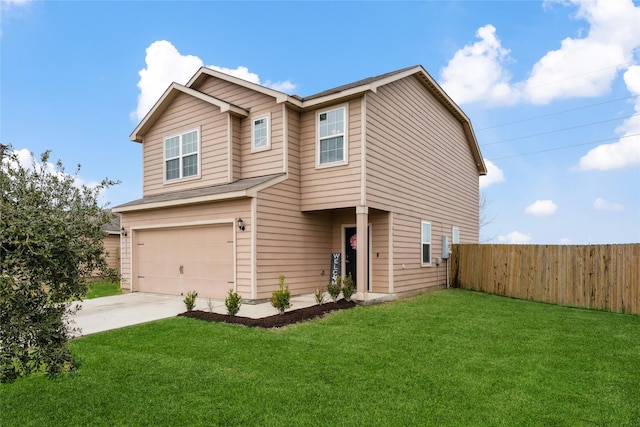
243	183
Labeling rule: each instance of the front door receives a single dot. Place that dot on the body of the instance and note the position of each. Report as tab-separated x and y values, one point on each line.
350	245
350	250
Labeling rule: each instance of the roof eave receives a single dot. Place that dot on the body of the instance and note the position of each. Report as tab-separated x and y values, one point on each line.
168	96
205	72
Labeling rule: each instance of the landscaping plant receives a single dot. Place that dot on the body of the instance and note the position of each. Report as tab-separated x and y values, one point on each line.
51	241
280	299
319	294
233	302
334	288
348	287
190	300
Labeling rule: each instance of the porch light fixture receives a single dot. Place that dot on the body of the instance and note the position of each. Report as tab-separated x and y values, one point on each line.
123	232
240	224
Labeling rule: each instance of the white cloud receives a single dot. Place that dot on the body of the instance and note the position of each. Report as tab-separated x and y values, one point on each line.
606	205
541	208
626	151
494	174
515	238
165	65
10	8
580	67
5	4
488	79
565	241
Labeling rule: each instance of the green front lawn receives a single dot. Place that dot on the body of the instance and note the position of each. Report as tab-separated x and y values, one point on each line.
99	289
453	357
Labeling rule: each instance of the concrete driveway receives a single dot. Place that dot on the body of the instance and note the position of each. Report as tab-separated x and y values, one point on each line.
118	311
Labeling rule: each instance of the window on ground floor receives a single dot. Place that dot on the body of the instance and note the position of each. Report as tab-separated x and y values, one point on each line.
455	235
426	243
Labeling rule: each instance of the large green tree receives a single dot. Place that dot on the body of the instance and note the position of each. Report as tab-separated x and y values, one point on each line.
51	241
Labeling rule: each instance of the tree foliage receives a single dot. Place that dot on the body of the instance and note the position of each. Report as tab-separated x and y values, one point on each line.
51	242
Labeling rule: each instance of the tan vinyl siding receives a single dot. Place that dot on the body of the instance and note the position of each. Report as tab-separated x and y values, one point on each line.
184	114
334	186
379	251
290	242
419	165
236	167
437	177
293	150
192	215
268	161
262	162
112	250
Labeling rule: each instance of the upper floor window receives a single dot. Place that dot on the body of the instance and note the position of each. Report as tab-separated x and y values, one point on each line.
260	134
332	136
426	243
181	155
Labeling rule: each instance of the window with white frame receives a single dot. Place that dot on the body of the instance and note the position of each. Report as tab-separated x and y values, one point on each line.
181	155
332	145
426	243
260	134
455	235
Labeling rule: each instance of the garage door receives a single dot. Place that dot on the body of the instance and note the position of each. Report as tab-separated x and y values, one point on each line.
178	260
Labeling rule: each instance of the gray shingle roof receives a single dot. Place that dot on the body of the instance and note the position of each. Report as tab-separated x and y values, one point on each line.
185	195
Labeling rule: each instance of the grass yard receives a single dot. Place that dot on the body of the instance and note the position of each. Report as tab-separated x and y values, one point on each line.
99	289
447	358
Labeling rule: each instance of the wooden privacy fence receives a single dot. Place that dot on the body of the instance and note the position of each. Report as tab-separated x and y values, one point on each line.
603	277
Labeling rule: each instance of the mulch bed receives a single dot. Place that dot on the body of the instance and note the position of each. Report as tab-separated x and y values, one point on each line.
277	320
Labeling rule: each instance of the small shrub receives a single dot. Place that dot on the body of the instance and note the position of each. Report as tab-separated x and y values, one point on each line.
334	288
280	299
210	305
190	300
233	301
319	294
348	287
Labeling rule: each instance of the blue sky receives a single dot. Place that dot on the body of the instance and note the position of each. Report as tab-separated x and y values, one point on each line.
552	88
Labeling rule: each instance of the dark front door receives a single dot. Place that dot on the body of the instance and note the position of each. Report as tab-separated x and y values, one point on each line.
350	245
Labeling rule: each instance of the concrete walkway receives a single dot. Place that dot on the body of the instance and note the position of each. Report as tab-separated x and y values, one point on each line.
118	311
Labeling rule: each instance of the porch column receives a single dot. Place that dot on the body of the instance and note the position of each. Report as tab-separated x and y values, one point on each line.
362	263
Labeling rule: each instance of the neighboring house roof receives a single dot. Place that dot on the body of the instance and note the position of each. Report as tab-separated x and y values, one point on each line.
114	226
347	91
241	188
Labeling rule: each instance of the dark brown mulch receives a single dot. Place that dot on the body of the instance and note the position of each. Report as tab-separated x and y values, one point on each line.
275	321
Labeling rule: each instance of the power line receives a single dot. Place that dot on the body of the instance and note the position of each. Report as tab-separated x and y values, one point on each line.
559	130
557	113
565	147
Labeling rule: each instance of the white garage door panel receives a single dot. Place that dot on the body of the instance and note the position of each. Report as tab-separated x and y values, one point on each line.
178	260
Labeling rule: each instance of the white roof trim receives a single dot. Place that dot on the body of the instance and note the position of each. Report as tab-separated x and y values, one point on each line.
182	202
279	96
168	96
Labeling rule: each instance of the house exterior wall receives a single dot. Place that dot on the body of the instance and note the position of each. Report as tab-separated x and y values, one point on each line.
420	167
408	160
112	249
225	141
251	164
334	186
184	114
290	242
